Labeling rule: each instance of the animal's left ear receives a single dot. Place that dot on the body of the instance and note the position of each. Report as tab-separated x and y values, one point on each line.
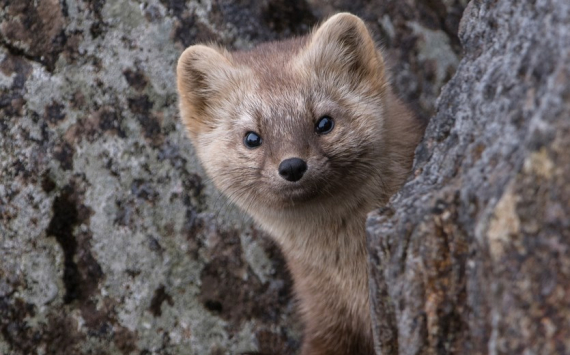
343	45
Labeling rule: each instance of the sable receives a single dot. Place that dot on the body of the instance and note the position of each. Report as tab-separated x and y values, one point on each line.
307	137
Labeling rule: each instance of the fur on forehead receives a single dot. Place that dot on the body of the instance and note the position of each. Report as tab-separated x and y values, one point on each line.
339	54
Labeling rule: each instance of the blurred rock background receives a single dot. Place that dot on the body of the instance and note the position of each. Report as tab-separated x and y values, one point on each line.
112	239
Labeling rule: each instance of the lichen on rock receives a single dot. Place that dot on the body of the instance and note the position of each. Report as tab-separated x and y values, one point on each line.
471	256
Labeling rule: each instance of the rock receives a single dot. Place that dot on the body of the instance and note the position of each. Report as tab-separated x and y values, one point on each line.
472	256
112	239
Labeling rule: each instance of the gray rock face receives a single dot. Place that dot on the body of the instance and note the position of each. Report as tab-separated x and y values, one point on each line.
112	239
472	256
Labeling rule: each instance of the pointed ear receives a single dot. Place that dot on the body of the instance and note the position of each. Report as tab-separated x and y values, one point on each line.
343	45
202	73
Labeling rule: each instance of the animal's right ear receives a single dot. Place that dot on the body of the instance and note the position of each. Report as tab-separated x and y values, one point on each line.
202	74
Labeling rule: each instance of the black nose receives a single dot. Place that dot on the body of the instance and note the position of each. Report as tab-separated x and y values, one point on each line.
292	169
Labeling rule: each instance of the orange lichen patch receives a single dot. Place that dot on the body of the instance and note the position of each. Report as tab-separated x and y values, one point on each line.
504	224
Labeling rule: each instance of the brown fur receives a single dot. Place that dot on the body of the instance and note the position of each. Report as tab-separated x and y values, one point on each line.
280	90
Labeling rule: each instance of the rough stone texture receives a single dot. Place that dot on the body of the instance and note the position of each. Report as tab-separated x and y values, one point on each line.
473	255
112	240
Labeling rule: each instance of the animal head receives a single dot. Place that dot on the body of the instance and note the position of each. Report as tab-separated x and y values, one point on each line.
293	122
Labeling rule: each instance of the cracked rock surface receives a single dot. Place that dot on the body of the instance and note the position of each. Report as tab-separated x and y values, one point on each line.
473	255
112	239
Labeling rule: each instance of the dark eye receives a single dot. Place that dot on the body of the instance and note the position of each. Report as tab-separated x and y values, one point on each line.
324	125
252	140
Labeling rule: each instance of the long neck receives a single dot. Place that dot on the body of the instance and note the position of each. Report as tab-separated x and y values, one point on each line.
325	248
317	228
